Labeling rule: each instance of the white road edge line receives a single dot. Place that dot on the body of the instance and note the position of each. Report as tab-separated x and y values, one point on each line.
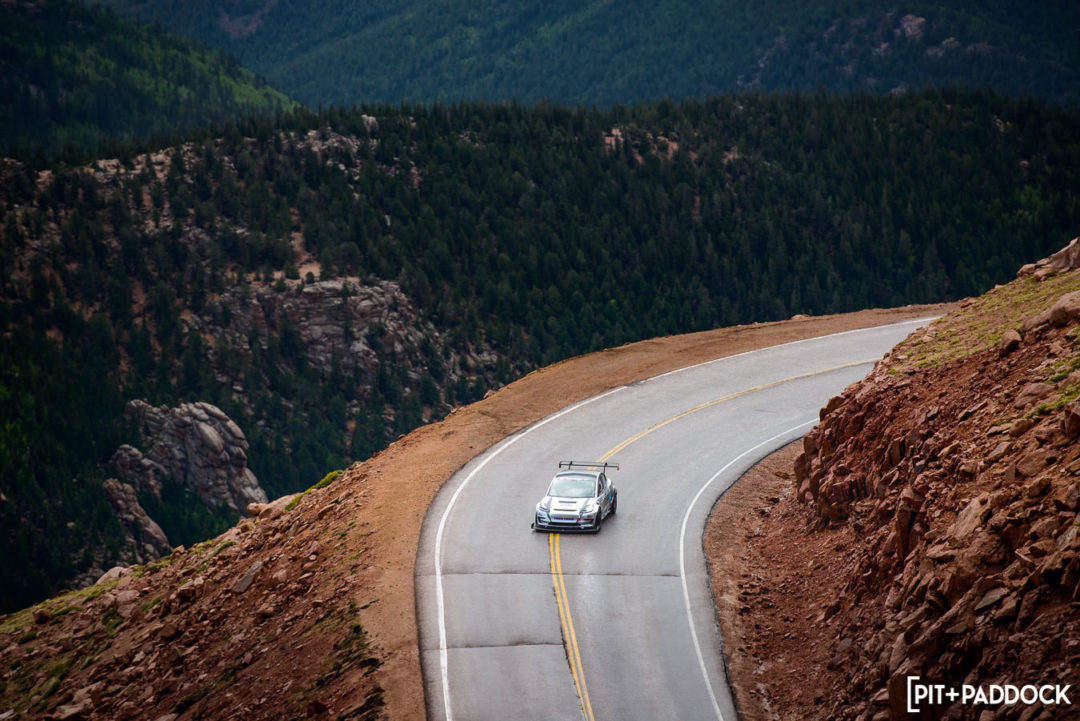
682	555
444	662
913	321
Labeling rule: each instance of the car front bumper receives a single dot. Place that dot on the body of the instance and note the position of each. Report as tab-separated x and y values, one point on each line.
553	522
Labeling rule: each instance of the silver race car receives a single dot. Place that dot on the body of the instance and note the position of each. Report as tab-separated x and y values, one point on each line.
578	498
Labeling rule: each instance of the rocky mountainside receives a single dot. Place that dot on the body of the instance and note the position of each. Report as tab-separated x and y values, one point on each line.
238	380
202	630
194	447
938	506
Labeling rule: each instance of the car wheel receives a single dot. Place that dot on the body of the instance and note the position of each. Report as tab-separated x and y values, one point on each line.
597	522
614	504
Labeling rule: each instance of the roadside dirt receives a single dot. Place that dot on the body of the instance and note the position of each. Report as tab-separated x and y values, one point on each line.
767	585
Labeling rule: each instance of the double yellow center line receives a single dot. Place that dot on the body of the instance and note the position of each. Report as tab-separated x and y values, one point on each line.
573	653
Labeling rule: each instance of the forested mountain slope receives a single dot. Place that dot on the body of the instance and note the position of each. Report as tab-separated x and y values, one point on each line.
335	279
72	77
334	51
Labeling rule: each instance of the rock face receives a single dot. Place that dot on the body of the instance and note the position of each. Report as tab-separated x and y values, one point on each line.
342	322
148	539
195	444
961	478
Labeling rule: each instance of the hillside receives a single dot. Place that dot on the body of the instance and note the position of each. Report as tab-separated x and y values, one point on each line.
336	52
73	78
330	281
308	608
928	528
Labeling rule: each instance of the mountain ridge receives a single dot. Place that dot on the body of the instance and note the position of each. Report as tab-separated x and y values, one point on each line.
75	78
603	53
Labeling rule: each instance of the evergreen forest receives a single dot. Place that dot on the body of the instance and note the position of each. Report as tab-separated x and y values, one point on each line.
517	235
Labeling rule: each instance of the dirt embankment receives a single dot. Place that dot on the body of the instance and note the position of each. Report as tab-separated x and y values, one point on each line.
309	611
929	526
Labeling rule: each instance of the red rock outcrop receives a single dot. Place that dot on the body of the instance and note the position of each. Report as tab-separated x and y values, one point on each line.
957	463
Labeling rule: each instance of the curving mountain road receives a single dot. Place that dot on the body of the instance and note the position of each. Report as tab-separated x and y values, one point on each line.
619	625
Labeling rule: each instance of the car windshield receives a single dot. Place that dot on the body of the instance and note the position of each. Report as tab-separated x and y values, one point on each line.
572	487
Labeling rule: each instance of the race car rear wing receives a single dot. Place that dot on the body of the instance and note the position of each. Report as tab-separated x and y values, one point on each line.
588	464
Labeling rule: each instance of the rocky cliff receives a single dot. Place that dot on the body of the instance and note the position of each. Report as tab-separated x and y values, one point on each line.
955	467
342	323
195	444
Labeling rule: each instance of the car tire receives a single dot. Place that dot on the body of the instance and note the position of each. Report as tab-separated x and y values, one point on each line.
598	522
614	505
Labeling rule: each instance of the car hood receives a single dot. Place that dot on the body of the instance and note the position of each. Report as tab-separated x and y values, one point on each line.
560	504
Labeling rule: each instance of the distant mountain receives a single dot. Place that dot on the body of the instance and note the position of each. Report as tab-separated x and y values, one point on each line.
335	51
72	76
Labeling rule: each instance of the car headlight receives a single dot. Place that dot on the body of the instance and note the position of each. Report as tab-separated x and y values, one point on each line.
589	507
544	505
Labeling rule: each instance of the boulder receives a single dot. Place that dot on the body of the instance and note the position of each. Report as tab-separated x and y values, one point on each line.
272	510
990	598
1038	487
1070	422
1009	342
1032	322
1000	451
244	582
190	591
969	519
112	574
70	712
1031	393
1067	258
1033	462
1020	426
1065	310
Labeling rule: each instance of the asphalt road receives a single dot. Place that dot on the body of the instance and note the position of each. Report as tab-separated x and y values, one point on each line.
516	624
